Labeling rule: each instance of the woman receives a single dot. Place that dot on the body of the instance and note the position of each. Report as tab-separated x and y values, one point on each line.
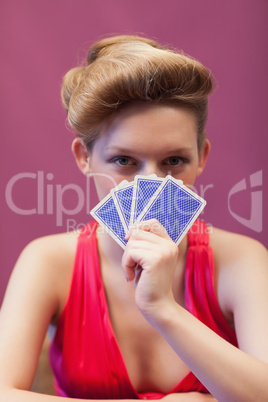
191	322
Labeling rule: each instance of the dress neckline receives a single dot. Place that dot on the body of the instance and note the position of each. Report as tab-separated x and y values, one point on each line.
104	302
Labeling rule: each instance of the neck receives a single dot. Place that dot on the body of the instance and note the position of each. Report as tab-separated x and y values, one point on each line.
109	250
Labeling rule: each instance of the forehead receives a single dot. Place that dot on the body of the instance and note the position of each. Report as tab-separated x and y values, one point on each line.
140	120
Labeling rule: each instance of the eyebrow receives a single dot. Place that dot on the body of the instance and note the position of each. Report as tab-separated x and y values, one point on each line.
122	150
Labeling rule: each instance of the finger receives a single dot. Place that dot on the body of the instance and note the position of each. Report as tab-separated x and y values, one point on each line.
129	265
129	232
138	272
138	236
151	226
132	260
145	241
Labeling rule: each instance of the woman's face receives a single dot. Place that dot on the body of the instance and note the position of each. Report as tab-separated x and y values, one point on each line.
142	139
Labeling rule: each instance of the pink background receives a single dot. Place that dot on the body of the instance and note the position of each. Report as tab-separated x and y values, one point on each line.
40	40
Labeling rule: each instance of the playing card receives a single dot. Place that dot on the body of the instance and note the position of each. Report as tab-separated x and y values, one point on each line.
106	214
143	190
123	195
175	206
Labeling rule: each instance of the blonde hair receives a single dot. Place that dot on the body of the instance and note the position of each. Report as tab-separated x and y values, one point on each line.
125	68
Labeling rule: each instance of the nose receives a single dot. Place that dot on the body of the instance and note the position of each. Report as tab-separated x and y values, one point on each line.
151	167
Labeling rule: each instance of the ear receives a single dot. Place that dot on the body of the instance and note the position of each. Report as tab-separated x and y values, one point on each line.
203	157
81	155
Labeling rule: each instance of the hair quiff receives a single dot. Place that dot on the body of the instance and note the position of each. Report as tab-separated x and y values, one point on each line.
125	68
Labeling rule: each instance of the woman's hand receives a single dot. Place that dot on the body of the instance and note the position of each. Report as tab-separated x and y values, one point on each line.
150	259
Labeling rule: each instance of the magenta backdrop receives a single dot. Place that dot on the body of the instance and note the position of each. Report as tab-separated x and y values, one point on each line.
41	40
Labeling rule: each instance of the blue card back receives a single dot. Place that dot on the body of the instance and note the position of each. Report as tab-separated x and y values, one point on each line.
106	214
123	200
145	187
175	207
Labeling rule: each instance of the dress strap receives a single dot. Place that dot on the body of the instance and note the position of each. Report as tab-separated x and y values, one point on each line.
200	294
198	234
88	230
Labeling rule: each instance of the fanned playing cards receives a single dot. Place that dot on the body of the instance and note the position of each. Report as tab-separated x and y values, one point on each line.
168	200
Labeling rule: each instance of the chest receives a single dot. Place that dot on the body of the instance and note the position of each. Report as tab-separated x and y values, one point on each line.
150	362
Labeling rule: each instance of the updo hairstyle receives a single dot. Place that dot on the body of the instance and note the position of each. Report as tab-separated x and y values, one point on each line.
122	69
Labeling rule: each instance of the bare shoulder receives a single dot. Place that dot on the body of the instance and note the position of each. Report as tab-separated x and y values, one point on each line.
36	292
54	247
237	254
241	268
232	248
49	256
45	267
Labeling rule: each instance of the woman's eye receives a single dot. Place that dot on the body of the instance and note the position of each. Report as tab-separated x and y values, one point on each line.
175	161
123	161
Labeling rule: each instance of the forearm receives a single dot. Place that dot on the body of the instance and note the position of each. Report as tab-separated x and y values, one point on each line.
17	395
227	372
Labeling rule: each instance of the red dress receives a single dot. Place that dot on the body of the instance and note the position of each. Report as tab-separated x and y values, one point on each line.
84	354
